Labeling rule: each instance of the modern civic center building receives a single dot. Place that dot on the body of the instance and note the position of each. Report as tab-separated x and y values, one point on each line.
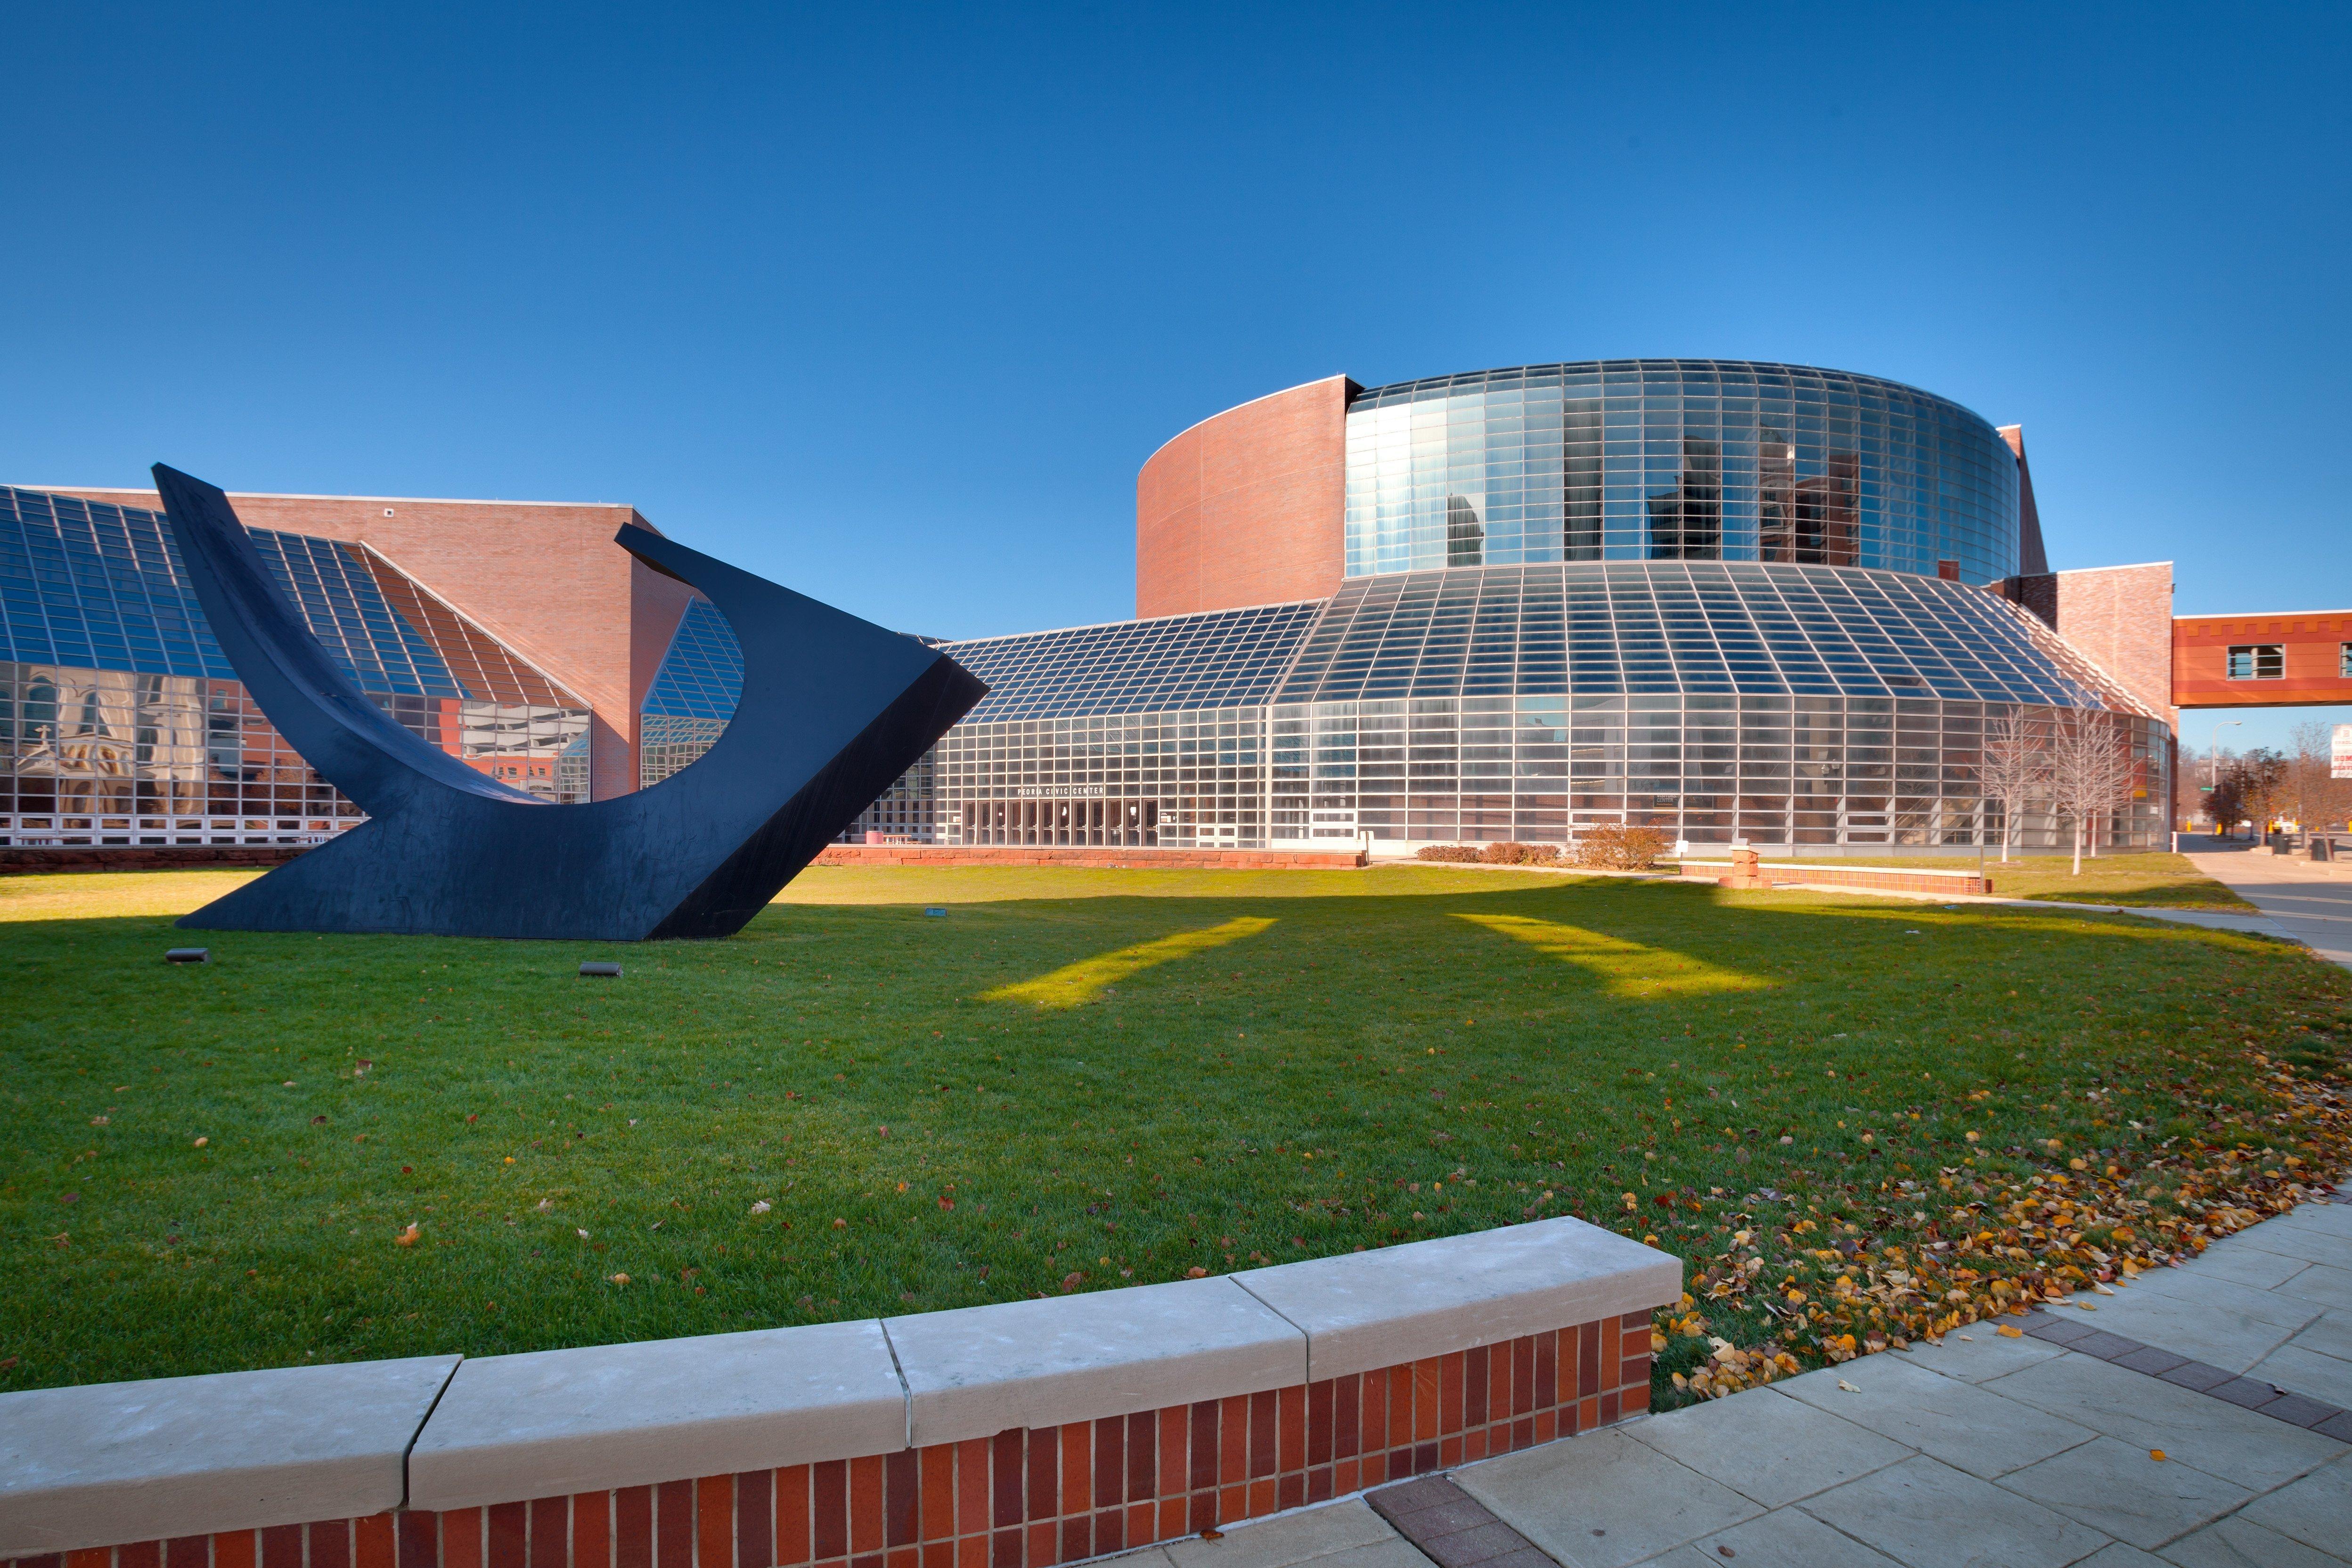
1725	599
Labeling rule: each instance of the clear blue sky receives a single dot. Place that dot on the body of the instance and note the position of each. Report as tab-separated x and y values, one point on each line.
890	304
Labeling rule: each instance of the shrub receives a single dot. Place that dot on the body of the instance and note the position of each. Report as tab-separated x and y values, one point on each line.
1445	852
1615	847
1521	854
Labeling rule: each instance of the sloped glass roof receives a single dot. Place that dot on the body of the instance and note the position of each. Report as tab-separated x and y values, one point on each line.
93	586
701	676
1678	626
1223	658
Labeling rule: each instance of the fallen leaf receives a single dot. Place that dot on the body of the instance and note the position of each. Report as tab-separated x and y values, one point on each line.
2005	1331
1196	1272
98	1121
1846	1387
2155	1454
581	1234
763	1206
841	1225
202	1141
406	1237
618	1278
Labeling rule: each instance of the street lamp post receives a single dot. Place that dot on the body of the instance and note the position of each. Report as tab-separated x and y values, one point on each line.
2213	758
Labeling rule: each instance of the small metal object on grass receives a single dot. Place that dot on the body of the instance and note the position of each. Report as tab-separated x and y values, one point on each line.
601	971
189	955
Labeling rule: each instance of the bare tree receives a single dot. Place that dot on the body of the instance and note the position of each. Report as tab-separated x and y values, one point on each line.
2091	772
2319	798
2013	766
2262	777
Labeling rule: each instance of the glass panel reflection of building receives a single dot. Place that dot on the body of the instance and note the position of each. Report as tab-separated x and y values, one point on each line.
1674	460
692	696
120	721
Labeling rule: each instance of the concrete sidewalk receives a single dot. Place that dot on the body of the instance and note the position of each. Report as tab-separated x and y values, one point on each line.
2312	899
2021	1452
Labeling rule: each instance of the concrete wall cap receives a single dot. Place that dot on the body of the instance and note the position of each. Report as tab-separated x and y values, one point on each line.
974	1371
1367	1310
548	1422
107	1462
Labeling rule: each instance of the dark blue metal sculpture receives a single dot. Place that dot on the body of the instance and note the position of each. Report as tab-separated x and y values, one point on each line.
833	709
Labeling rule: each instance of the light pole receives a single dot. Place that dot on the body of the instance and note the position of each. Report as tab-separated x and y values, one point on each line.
2213	757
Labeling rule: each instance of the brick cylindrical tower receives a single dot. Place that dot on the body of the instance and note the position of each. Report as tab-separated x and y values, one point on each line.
1247	508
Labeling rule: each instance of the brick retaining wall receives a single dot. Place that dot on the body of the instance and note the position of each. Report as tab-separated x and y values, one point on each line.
1100	858
1023	1434
18	860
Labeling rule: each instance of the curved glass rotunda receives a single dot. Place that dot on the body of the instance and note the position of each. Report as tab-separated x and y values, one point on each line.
1676	460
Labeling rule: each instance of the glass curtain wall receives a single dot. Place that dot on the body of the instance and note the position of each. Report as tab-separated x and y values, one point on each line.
1675	459
121	723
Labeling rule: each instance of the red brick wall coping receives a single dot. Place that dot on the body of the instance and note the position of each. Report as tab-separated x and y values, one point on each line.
1017	1436
1101	860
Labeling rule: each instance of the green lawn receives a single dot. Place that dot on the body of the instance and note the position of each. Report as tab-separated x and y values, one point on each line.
2168	880
332	1148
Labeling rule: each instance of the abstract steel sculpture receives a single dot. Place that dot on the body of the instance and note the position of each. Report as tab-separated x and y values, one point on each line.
833	709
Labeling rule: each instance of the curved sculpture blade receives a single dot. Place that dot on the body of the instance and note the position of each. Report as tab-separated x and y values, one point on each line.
833	709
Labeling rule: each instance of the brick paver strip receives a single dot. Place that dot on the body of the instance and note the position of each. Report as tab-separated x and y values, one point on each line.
2246	1393
1452	1528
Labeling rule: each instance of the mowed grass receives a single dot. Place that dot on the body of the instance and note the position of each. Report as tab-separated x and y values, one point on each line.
2154	878
334	1148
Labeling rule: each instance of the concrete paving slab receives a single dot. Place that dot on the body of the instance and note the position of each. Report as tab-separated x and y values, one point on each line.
2240	1543
1785	1538
2238	1446
2321	1282
1304	1536
2120	1554
1603	1500
1956	1422
2330	1333
2336	1219
972	1372
1977	1354
1397	1553
2232	1258
2118	1489
2305	1372
1925	1514
1767	1446
2316	1511
2294	1241
2206	1320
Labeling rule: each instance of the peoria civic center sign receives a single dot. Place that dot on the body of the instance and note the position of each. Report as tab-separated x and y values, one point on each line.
2340	758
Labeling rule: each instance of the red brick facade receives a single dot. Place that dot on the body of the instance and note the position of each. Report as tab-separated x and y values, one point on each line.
2119	618
1247	508
1027	1498
545	578
2314	644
